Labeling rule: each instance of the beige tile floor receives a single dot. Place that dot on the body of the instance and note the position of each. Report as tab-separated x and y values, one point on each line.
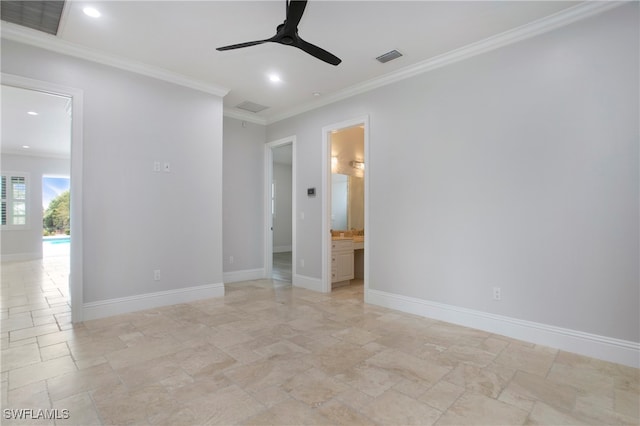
267	353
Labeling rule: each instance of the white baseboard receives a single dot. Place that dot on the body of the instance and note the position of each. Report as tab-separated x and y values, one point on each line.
20	257
245	275
123	305
606	348
281	249
309	283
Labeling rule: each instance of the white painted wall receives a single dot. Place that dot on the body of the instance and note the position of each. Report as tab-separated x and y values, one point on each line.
517	168
136	220
27	244
282	220
243	199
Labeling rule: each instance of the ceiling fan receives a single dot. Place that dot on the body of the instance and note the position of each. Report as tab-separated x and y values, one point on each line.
287	34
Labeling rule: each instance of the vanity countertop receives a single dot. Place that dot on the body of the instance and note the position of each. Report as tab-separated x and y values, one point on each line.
355	238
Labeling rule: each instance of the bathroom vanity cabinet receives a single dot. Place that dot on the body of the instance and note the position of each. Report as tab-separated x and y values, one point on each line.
342	262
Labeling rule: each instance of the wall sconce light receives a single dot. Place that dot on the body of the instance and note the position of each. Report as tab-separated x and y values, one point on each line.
357	165
334	164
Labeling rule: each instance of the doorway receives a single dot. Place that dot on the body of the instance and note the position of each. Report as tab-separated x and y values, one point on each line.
279	210
345	204
72	167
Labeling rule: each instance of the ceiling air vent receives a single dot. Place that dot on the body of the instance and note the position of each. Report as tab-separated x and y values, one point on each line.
251	106
389	56
38	15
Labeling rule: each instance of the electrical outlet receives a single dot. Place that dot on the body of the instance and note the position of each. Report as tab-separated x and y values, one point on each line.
302	263
231	259
156	275
497	293
156	166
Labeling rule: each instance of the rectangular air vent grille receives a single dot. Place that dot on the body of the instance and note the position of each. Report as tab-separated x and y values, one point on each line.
251	106
38	15
389	56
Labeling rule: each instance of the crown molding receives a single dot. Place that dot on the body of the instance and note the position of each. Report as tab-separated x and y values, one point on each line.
244	116
565	17
38	154
572	14
35	38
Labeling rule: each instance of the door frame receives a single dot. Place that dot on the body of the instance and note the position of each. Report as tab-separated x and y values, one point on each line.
326	198
76	285
268	218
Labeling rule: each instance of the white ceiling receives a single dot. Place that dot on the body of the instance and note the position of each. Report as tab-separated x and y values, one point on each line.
48	133
178	39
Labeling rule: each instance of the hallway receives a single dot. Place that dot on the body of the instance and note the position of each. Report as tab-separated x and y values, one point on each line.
282	266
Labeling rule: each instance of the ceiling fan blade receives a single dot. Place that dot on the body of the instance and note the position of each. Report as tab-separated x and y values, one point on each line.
239	45
295	9
318	52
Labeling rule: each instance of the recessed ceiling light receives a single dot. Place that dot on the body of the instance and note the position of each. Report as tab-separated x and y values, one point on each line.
90	11
32	113
316	94
26	146
274	78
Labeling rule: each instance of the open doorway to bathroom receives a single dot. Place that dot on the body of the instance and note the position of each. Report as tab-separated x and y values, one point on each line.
345	212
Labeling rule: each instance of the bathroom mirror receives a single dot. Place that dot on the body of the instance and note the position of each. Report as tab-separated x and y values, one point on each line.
347	202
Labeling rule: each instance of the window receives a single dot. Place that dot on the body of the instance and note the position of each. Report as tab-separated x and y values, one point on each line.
14	200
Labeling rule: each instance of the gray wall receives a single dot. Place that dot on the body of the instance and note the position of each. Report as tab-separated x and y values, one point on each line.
243	199
27	244
282	238
136	220
517	168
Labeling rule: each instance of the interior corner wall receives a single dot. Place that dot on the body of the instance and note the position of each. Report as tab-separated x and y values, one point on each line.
137	220
516	168
18	245
243	195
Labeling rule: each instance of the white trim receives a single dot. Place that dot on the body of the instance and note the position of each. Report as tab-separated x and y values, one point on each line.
244	275
532	29
27	153
591	345
123	305
326	197
309	283
244	116
76	285
268	219
564	17
282	249
45	41
20	257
